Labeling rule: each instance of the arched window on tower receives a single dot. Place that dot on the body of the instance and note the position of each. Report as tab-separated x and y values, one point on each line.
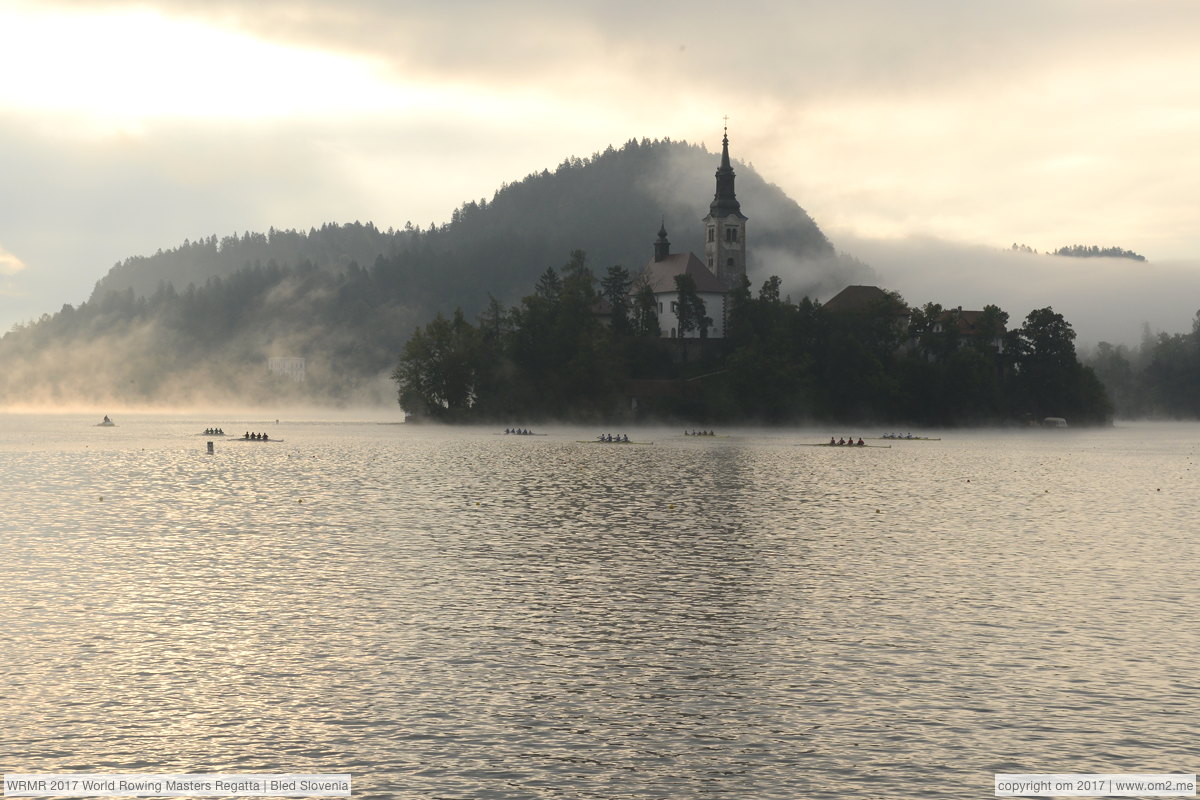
729	262
731	235
712	234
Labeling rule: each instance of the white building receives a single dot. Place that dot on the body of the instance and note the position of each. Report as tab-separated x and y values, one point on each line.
660	276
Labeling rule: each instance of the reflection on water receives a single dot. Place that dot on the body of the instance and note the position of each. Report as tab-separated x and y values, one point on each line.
455	614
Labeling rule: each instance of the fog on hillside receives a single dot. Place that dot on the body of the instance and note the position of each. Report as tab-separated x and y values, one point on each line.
1104	299
781	237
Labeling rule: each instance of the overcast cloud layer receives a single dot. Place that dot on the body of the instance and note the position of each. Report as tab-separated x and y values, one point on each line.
916	132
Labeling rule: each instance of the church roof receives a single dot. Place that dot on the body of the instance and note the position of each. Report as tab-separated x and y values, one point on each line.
661	274
858	299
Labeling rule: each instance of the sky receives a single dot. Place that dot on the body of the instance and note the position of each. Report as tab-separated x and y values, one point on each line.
924	137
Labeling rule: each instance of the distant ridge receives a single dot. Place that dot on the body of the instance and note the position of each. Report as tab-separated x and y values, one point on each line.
204	317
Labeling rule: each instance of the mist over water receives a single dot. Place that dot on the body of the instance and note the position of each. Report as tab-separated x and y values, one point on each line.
455	613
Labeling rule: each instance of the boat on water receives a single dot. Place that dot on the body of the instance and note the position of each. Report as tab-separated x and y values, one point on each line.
846	446
613	441
106	423
908	438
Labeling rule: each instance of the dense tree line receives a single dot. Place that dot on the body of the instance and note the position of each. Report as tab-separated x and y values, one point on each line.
1159	378
1094	251
554	356
1083	251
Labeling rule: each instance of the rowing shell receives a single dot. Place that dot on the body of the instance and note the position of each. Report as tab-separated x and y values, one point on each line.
597	441
847	446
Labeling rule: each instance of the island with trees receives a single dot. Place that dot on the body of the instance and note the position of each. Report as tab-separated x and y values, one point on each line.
585	348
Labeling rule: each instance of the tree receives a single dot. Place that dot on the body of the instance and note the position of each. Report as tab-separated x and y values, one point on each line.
770	291
549	285
614	288
645	313
1050	379
740	328
691	310
437	370
992	325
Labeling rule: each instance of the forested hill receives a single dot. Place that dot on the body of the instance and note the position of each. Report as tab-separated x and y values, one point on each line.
199	322
610	206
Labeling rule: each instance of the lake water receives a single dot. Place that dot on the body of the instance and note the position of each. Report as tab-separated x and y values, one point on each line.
458	614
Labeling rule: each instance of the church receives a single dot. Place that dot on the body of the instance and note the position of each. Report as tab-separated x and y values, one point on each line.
722	269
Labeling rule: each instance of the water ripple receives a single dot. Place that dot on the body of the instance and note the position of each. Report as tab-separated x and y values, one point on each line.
454	614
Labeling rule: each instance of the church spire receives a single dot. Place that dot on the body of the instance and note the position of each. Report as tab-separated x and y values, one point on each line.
662	248
725	225
725	202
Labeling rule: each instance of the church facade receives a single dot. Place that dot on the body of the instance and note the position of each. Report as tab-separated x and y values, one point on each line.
721	269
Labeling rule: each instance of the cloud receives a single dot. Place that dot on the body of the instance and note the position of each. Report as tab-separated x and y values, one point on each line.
9	264
811	48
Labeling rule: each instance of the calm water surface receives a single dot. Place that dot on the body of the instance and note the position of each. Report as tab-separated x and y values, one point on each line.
456	614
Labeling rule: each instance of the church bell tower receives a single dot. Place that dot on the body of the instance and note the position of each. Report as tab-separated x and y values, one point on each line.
725	226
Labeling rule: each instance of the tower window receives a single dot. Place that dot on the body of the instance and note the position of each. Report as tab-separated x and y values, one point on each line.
712	234
731	234
710	262
729	263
